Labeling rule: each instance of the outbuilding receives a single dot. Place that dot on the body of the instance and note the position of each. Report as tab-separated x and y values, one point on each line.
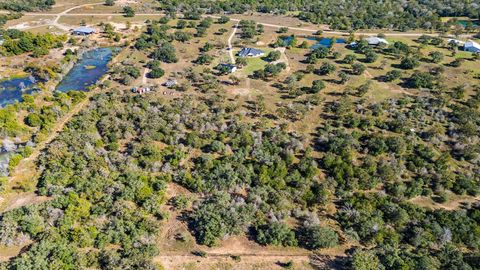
227	68
170	83
455	41
376	41
83	31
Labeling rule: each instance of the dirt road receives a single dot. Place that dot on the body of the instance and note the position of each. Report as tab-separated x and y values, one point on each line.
230	47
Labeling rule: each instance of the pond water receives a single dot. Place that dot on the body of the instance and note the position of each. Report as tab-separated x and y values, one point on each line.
464	23
11	90
325	42
86	72
286	40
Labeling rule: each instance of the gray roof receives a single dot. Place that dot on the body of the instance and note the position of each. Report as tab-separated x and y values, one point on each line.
250	52
83	29
472	44
170	82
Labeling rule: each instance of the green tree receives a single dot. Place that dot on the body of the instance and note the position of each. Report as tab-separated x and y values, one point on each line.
33	120
326	68
156	73
273	56
223	19
315	237
358	69
365	260
277	234
317	86
128	11
409	63
436	57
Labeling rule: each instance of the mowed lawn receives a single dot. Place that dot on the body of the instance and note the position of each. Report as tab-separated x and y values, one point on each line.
254	63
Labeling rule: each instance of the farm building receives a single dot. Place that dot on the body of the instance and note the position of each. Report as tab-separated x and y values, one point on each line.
376	41
83	31
455	41
471	46
251	52
141	90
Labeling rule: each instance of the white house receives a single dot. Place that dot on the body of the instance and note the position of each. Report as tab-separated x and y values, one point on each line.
455	41
471	46
376	41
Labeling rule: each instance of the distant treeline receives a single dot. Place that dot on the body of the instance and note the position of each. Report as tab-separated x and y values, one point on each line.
18	42
5	17
355	14
26	5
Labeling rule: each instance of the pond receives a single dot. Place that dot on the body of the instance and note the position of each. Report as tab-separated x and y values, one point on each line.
286	40
464	23
87	71
11	90
325	42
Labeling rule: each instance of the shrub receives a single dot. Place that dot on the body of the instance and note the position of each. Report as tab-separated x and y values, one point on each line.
409	63
156	73
277	234
33	120
315	237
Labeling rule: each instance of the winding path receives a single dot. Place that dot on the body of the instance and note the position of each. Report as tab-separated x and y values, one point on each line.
230	47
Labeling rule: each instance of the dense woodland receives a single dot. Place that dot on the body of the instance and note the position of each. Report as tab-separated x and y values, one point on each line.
109	169
18	42
358	14
26	5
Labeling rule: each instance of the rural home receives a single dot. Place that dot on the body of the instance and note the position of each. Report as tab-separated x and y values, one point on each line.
376	41
471	46
250	52
455	41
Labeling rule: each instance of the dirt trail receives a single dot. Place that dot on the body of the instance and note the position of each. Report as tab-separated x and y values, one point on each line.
144	76
283	58
226	261
230	47
55	22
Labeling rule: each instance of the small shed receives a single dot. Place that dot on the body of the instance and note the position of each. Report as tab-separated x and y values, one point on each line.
170	83
230	68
